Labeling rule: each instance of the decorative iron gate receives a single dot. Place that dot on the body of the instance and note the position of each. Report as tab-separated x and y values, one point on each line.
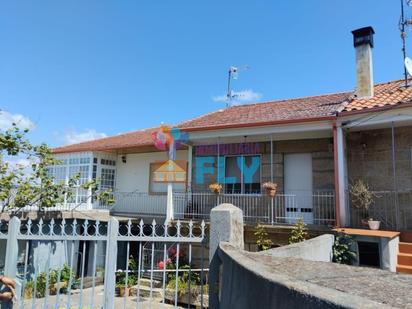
61	264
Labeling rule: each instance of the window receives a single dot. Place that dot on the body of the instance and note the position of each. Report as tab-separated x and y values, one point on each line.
107	162
88	167
107	178
242	174
58	172
79	166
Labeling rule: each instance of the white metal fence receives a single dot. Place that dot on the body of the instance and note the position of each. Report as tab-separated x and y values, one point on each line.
57	263
316	207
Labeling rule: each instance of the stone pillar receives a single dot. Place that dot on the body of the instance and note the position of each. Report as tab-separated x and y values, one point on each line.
226	224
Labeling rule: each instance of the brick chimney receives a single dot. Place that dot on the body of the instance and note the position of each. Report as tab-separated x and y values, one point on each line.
363	43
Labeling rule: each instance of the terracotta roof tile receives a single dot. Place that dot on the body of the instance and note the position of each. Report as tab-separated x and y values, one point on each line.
270	112
122	141
385	94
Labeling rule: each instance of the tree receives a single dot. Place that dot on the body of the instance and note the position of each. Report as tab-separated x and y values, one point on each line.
33	185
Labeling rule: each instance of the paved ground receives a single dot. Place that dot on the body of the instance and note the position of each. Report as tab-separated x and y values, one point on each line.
131	302
381	286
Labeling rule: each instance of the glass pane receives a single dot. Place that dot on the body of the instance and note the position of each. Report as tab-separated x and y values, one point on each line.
107	178
233	176
251	174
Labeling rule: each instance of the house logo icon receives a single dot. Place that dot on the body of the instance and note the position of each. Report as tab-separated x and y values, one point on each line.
169	171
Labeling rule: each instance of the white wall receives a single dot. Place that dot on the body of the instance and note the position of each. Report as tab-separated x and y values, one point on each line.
134	174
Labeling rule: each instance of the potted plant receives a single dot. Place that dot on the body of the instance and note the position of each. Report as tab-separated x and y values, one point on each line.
123	291
215	187
363	198
28	290
270	188
99	272
374	224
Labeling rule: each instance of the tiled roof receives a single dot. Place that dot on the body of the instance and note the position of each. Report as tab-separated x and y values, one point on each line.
385	95
129	140
266	113
300	109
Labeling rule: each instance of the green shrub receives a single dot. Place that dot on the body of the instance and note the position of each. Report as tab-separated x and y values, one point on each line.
41	281
28	289
342	252
41	285
263	242
298	233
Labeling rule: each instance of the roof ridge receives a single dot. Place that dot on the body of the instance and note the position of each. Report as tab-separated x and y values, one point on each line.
293	99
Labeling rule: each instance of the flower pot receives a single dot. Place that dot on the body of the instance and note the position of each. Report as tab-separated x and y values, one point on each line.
374	225
123	291
28	293
365	222
99	274
271	192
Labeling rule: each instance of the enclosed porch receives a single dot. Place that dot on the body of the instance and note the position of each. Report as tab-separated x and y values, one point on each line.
300	163
380	155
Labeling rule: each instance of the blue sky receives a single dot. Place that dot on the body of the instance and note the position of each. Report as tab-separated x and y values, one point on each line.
80	69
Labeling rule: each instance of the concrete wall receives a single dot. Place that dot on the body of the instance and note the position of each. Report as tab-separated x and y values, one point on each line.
252	280
278	234
315	249
388	250
59	253
134	174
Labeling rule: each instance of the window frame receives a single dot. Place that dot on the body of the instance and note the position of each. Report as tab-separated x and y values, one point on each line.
242	184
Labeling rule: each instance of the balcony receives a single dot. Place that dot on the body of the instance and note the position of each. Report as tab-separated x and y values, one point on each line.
316	208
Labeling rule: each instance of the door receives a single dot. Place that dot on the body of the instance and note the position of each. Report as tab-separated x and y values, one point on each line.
298	187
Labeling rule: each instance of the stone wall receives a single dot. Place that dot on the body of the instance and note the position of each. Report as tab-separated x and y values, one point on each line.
322	156
369	156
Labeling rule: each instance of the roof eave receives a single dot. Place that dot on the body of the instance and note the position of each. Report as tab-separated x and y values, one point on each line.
259	124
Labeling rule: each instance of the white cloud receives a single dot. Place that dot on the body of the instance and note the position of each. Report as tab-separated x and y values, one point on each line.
7	119
243	96
22	164
88	135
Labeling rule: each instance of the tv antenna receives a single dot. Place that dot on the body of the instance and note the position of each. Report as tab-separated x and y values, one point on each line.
403	23
233	74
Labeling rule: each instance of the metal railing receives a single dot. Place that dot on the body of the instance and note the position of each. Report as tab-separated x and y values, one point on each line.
142	203
316	207
56	263
76	203
393	209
